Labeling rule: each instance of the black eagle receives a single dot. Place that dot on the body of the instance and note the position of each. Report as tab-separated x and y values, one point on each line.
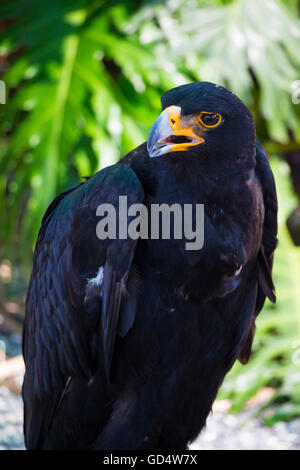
127	341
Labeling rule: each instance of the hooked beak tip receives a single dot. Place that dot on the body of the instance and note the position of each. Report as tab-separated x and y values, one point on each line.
163	138
160	128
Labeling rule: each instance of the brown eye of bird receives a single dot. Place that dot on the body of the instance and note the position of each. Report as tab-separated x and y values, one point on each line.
210	119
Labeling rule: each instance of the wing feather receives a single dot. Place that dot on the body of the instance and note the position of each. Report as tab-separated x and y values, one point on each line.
63	333
269	242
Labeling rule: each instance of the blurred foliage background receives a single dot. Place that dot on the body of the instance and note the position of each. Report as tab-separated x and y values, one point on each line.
83	85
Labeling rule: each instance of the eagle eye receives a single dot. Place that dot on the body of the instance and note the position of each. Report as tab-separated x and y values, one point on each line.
210	119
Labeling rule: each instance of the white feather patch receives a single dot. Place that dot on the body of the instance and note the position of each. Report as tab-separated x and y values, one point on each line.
98	280
237	272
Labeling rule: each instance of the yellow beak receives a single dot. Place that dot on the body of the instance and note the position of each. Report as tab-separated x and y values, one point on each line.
169	133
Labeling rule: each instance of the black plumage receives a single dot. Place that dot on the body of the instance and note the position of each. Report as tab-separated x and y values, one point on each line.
135	360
